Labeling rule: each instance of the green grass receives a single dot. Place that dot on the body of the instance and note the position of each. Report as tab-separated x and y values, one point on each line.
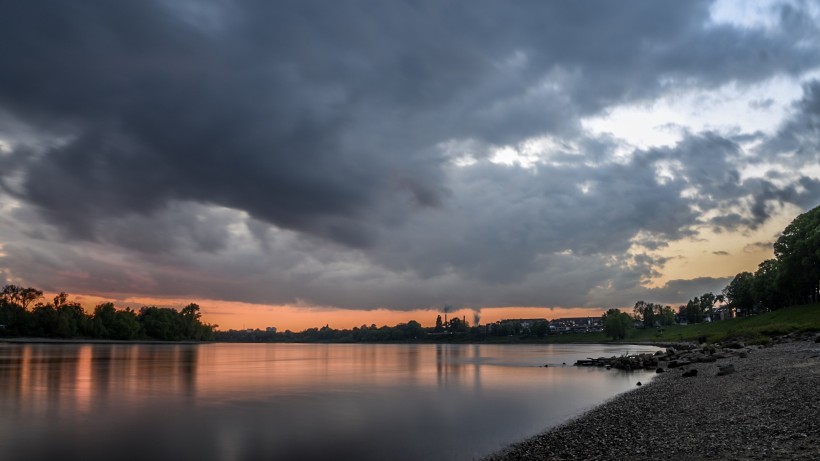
756	329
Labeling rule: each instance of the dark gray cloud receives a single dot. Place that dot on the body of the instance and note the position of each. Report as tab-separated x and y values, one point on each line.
758	246
797	143
679	291
762	104
316	117
297	151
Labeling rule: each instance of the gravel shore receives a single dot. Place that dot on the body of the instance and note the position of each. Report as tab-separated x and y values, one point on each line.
767	409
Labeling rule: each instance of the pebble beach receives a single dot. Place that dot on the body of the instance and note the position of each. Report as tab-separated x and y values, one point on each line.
743	403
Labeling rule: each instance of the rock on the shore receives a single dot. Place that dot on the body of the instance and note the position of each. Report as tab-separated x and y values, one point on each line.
724	370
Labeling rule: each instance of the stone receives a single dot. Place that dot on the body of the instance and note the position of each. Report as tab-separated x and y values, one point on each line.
724	370
659	370
639	383
744	355
690	373
734	345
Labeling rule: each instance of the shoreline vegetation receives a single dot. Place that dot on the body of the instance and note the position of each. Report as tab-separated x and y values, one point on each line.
25	316
755	330
161	325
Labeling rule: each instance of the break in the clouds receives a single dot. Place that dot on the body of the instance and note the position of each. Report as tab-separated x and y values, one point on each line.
397	154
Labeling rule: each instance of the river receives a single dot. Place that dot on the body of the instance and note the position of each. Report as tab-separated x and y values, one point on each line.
238	402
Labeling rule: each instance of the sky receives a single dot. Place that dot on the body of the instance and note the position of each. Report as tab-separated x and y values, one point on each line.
301	163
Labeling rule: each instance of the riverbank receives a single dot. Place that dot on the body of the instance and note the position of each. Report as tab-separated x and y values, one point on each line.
766	409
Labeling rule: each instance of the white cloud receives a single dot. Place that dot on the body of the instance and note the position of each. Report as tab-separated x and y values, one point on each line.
746	14
725	110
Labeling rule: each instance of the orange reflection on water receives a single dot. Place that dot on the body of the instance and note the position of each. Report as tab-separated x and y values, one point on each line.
83	393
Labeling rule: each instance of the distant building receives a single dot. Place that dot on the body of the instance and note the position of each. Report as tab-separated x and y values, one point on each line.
576	325
523	325
271	329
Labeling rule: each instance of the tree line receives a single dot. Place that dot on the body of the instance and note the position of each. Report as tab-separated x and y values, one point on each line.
409	331
791	278
454	329
23	313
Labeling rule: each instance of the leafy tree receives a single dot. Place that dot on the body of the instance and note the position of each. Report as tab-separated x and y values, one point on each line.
540	328
127	325
103	320
767	288
193	328
17	295
71	318
707	303
797	251
667	315
693	311
414	330
740	295
108	322
14	318
646	313
617	324
698	308
162	323
44	320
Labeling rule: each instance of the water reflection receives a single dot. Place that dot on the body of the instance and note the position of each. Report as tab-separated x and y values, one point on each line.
289	401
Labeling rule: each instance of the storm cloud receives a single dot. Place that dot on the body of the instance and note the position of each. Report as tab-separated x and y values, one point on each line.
349	154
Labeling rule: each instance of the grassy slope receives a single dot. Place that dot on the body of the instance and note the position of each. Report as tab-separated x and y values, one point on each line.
756	329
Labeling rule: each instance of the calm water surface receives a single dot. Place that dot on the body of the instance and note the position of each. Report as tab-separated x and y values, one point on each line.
291	401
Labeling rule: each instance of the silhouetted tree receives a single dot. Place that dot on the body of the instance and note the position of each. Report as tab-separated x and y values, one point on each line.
767	287
797	251
617	324
739	294
20	296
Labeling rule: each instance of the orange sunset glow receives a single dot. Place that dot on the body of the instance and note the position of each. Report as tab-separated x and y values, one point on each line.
238	316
